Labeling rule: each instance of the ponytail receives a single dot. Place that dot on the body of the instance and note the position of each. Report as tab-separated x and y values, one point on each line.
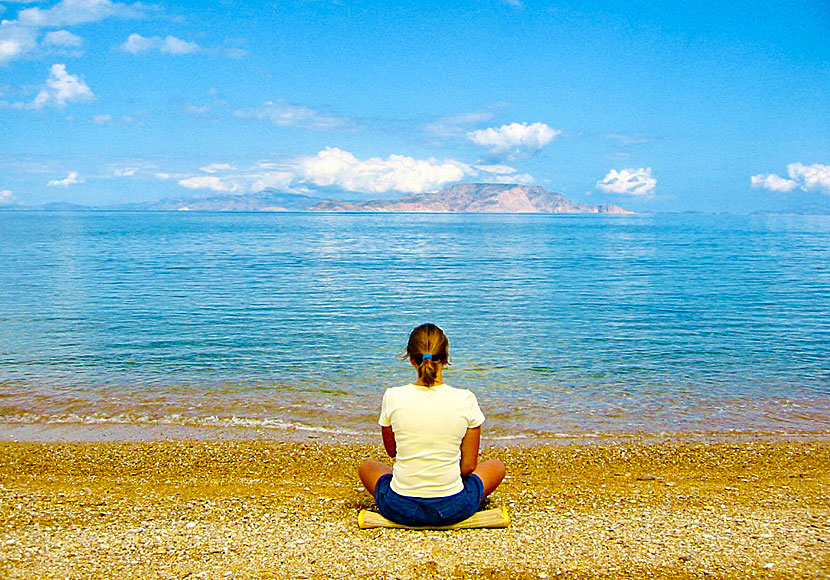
427	371
428	347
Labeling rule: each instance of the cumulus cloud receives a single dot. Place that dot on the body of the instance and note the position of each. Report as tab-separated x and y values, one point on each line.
772	182
335	167
7	197
62	38
19	37
515	136
61	88
136	43
72	179
288	114
814	177
637	182
15	40
71	12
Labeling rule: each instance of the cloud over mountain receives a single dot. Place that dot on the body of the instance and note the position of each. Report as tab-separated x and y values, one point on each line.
515	136
336	167
815	177
636	182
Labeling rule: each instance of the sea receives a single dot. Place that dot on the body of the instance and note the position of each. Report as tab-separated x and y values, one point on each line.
153	325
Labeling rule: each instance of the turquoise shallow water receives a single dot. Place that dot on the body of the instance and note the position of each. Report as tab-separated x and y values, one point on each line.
560	324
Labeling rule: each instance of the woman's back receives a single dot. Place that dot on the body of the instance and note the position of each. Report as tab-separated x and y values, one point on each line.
429	424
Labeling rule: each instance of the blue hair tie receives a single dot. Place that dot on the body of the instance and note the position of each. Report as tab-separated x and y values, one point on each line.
426	355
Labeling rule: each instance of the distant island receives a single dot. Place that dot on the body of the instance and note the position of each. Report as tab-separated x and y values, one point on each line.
467	197
476	197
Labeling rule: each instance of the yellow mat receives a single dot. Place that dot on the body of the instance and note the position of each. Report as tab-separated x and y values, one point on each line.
494	518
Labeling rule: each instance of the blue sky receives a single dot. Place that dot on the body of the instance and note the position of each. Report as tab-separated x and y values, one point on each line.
660	106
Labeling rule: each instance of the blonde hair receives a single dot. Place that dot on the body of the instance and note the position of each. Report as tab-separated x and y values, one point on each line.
428	339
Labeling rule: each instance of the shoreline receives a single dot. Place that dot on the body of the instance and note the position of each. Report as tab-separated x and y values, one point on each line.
134	433
288	509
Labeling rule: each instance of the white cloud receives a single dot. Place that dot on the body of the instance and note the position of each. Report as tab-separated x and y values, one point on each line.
125	172
15	40
772	182
205	182
70	12
19	37
638	182
173	45
503	174
7	197
62	38
72	179
531	137
814	177
214	167
335	167
496	168
236	180
136	43
523	178
288	114
61	88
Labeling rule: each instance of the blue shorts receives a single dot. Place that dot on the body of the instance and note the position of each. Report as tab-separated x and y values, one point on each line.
429	511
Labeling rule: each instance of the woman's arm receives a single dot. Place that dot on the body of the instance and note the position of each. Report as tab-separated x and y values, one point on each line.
389	441
469	450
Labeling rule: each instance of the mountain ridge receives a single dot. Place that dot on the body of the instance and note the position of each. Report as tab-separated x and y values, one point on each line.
475	198
462	198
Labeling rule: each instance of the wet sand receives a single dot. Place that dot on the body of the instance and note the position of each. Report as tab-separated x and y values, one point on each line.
263	509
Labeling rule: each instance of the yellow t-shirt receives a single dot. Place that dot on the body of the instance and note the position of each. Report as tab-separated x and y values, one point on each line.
429	423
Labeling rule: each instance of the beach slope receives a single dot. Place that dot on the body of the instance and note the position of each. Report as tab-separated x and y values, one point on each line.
278	510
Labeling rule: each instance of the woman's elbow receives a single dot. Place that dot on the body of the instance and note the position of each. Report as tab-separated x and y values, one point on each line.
467	467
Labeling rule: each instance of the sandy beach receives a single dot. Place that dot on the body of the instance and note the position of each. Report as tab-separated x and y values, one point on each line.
748	509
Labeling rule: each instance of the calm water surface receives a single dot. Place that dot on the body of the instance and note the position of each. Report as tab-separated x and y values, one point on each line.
560	324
